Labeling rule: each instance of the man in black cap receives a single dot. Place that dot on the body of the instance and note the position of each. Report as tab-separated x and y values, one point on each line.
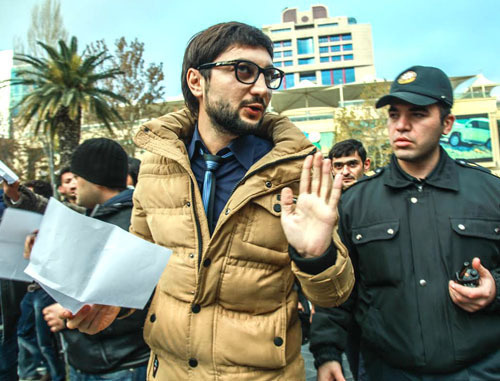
100	167
409	229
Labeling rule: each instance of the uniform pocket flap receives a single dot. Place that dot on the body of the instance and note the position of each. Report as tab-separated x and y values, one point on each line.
477	227
375	232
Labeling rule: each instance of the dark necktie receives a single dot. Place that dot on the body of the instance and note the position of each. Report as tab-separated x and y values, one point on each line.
212	162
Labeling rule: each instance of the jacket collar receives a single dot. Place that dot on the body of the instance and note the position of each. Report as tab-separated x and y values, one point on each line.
444	175
169	134
245	148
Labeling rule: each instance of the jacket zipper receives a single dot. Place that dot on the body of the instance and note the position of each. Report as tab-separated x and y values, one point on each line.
197	221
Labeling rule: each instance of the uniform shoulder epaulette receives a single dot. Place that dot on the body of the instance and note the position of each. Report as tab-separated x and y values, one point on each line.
470	164
370	175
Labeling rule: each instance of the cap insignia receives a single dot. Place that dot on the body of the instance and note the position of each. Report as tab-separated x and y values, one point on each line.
407	77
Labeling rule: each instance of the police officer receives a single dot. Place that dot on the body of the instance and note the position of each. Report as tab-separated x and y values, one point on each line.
409	229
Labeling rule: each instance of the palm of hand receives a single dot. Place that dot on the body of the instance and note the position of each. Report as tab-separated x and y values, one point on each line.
309	227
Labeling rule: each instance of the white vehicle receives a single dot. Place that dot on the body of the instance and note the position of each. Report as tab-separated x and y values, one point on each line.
473	131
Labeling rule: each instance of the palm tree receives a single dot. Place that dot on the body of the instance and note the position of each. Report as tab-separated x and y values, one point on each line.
64	85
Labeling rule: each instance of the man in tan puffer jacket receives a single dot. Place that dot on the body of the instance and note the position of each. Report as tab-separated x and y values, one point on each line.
225	307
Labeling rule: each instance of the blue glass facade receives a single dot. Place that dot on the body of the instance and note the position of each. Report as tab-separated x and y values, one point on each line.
306	61
305	45
337	76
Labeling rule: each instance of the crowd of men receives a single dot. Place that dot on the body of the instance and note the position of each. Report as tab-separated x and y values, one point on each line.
253	213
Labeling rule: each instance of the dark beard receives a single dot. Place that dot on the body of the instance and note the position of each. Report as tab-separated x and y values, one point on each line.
227	120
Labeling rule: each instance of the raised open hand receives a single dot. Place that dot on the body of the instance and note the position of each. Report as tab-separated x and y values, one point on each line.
308	224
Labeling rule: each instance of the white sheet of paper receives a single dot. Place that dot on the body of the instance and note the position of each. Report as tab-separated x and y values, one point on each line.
90	261
16	225
7	174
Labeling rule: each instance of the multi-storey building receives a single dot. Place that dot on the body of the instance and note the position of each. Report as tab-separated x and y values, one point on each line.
311	45
10	96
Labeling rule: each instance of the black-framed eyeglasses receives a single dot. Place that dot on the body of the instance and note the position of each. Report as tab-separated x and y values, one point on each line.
248	72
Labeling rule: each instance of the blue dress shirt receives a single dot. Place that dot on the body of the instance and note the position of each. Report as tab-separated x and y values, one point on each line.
247	150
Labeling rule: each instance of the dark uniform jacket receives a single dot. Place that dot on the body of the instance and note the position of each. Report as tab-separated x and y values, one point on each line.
407	238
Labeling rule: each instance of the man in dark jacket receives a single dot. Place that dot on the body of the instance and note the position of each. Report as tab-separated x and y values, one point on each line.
409	229
11	294
119	352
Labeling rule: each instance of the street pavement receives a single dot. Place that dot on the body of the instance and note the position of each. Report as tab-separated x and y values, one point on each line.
311	371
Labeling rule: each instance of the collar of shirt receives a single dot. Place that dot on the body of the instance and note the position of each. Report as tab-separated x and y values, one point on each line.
444	175
246	149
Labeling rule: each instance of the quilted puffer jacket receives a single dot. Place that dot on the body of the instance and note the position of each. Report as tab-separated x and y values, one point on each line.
225	307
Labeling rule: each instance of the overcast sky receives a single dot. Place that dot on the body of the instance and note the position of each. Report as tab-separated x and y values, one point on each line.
459	36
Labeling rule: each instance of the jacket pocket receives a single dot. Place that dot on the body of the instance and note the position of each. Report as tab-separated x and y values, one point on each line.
379	252
256	341
477	227
477	237
263	224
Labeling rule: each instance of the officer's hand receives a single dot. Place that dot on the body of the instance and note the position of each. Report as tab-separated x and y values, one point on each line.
91	319
472	299
12	190
309	224
51	315
330	371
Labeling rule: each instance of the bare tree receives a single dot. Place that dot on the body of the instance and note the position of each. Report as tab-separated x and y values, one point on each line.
46	26
141	84
366	123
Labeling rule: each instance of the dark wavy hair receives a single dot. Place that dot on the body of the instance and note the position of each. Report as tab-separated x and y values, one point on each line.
348	147
205	46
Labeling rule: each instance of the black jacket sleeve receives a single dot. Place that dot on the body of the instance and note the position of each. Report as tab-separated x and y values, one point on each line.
330	326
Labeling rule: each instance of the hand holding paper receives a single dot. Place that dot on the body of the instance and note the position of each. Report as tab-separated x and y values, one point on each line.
12	190
7	174
91	319
80	260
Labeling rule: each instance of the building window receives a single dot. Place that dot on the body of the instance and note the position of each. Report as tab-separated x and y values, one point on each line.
280	44
328	25
277	55
336	58
346	37
334	38
323	39
337	76
288	63
288	81
324	59
349	75
326	77
287	53
308	77
347	47
335	48
323	49
348	57
306	61
305	45
281	30
278	63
